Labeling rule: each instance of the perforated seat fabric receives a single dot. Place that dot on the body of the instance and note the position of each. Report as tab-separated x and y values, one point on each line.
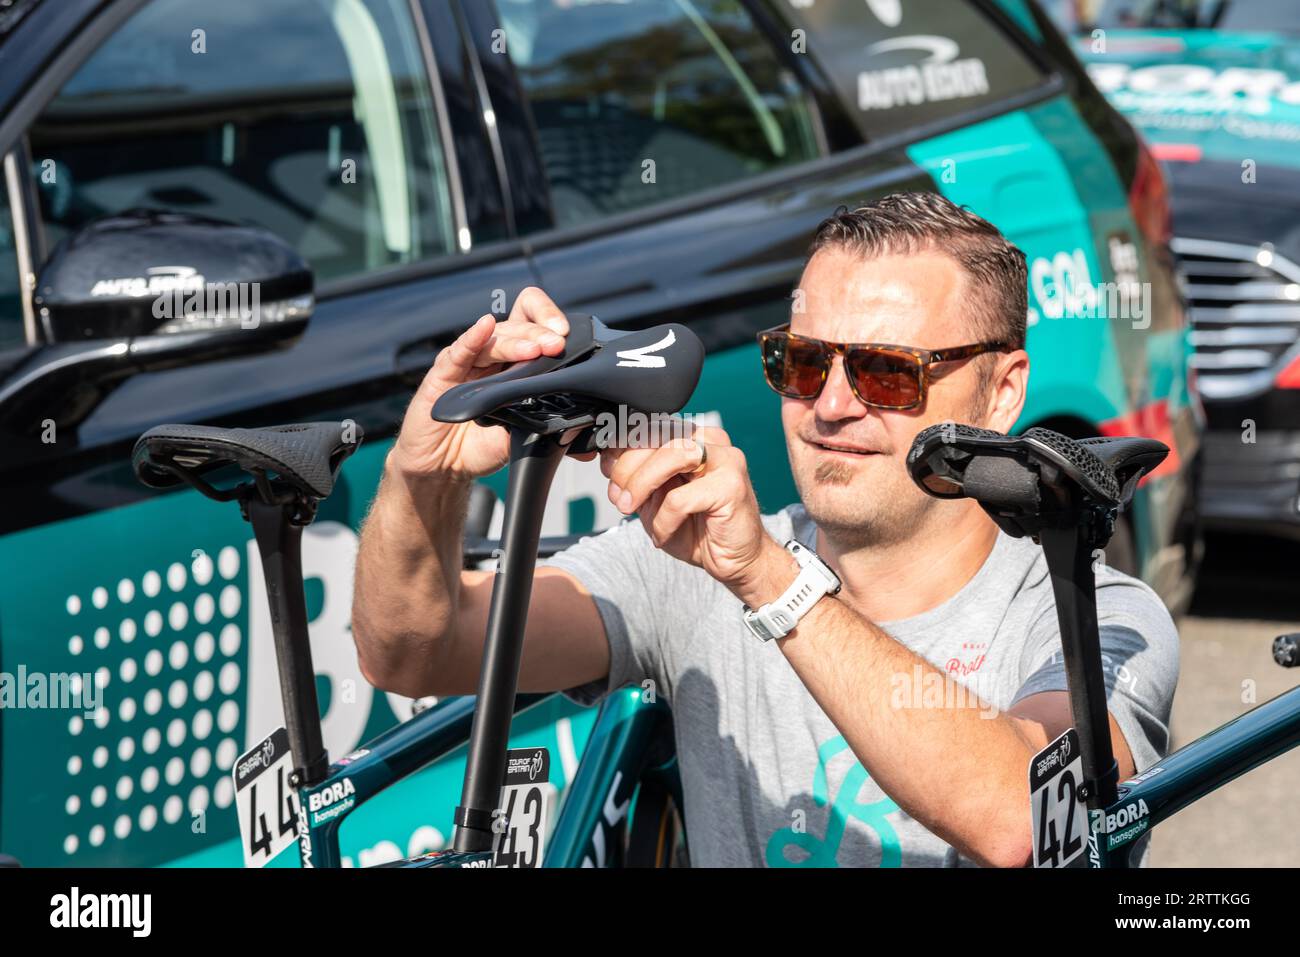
1083	458
306	454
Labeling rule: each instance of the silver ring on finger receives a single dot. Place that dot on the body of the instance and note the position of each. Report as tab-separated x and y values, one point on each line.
704	460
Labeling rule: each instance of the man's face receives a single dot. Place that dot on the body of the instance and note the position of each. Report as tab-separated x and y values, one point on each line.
848	459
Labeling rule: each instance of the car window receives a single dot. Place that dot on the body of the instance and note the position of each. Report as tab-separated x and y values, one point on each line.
11	303
1228	15
313	120
898	65
643	101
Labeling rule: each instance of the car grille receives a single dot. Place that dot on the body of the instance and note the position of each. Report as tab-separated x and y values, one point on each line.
1244	304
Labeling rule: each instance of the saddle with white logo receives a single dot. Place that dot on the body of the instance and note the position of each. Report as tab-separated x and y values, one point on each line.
653	371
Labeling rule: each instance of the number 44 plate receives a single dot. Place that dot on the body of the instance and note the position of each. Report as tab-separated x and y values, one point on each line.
265	801
1060	824
527	800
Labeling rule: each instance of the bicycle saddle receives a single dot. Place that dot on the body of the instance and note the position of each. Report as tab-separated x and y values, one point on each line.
306	456
1038	479
651	370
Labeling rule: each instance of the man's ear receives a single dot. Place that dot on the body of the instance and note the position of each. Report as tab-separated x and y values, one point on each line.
1007	392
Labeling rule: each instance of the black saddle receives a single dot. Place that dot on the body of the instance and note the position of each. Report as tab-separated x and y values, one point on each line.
651	371
1035	480
305	457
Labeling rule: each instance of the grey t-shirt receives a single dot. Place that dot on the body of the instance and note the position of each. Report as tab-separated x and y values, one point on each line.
767	778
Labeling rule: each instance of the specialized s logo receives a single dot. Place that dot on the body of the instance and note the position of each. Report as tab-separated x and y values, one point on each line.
641	359
824	852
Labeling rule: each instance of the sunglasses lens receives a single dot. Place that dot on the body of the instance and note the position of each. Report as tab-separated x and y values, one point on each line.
793	368
886	379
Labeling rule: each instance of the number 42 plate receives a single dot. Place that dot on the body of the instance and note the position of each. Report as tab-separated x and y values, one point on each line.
1060	824
265	801
526	803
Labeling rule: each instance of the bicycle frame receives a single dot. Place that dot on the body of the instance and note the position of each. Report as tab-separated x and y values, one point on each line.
627	731
1195	770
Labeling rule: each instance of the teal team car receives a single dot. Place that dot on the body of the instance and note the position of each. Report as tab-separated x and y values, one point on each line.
646	161
1214	86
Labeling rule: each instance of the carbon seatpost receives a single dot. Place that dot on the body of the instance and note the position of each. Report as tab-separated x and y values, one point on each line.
1069	562
533	460
279	541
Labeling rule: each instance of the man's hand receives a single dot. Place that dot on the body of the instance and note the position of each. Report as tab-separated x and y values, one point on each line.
706	516
464	450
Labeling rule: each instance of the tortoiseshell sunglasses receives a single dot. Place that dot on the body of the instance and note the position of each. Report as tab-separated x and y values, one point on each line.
880	375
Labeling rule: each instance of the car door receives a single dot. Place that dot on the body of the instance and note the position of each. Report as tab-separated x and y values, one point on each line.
330	124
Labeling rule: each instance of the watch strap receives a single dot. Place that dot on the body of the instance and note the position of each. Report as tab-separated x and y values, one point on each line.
778	618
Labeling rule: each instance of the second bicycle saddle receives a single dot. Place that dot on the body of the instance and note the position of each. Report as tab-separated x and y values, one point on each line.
1035	480
651	371
305	456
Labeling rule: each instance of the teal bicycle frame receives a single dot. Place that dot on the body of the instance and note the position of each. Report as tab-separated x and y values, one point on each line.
624	760
1193	771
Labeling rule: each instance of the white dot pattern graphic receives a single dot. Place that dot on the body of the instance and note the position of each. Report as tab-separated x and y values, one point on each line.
203	685
230	640
201	569
163	734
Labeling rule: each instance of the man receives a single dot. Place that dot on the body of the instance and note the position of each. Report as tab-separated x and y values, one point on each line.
828	745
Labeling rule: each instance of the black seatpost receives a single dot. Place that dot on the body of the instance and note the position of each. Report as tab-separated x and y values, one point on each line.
533	460
279	540
1069	562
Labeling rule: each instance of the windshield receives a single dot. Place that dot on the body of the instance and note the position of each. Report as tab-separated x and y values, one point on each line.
1271	16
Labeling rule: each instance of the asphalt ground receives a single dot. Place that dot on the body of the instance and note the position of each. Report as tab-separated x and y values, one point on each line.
1248	592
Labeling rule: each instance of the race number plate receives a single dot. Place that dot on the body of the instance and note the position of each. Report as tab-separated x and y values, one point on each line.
1060	815
265	801
526	802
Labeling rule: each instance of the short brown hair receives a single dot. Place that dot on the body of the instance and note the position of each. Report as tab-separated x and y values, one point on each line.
905	223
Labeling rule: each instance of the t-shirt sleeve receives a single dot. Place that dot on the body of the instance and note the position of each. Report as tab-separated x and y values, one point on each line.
1139	649
629	580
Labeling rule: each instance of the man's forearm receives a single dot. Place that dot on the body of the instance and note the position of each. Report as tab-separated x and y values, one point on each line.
954	764
408	576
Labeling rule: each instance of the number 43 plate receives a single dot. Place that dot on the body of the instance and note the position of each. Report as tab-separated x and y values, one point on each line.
526	803
1060	813
267	804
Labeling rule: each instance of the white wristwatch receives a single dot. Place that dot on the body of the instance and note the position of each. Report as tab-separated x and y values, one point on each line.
778	618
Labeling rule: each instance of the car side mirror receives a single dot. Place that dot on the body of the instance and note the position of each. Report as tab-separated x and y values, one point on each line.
146	290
